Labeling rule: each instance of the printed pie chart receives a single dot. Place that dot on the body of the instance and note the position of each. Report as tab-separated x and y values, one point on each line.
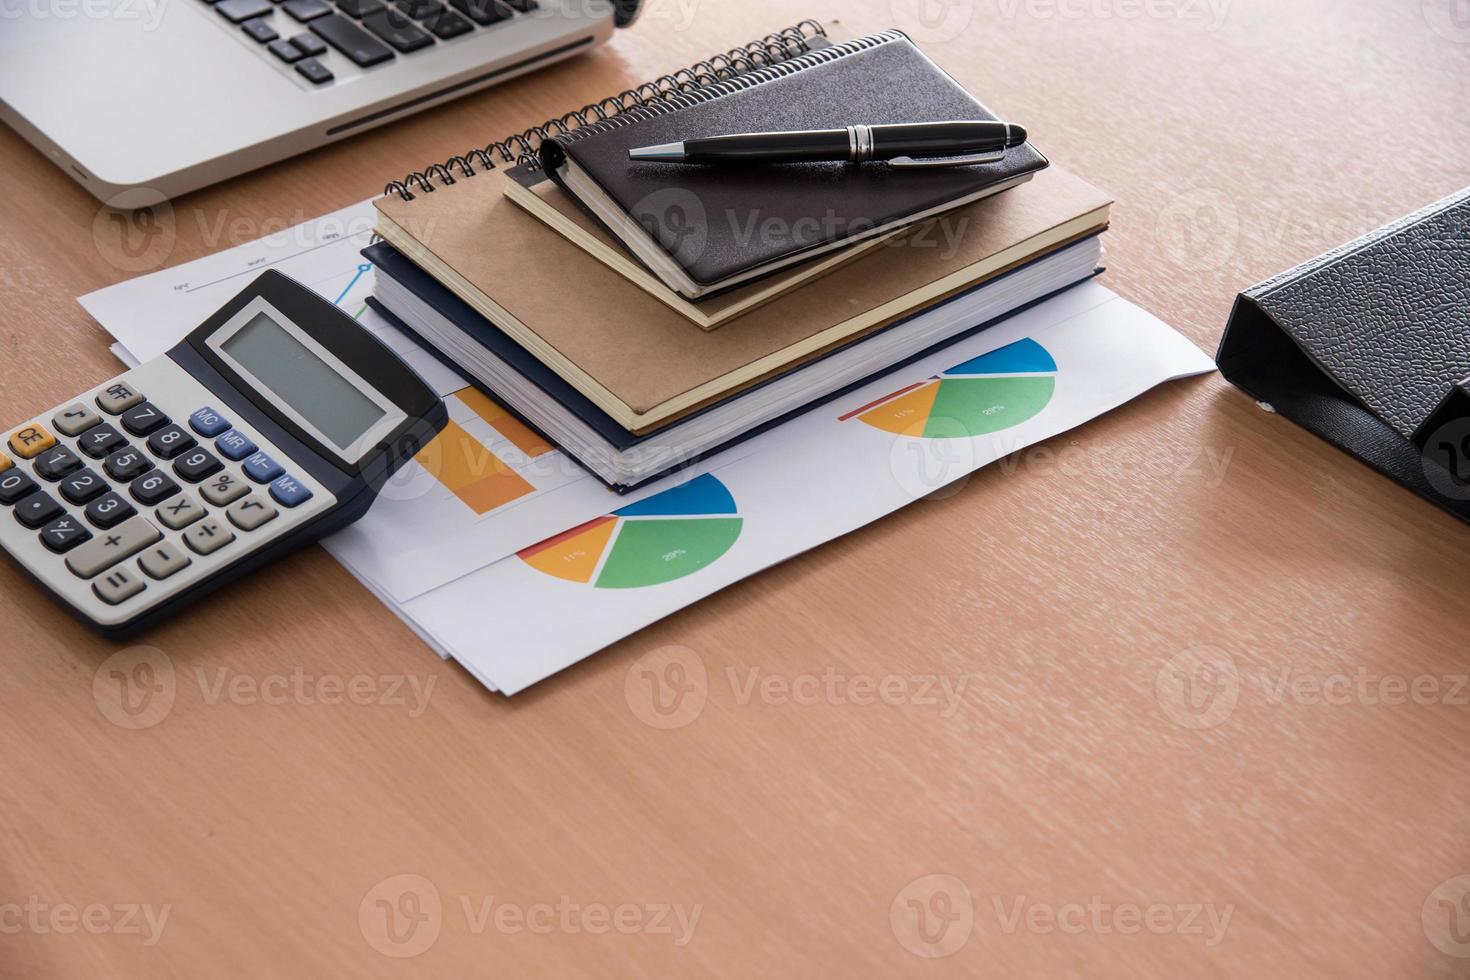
986	394
661	539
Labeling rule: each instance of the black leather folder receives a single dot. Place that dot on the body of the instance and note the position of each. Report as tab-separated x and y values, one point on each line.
1368	346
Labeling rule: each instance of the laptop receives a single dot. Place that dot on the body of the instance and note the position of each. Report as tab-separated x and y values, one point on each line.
143	100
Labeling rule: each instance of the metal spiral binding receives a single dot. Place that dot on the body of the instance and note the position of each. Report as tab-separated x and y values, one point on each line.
771	51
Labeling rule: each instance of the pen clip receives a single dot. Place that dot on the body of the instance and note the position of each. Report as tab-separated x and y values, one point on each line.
933	163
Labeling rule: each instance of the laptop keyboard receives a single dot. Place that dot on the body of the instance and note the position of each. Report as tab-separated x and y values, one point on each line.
367	32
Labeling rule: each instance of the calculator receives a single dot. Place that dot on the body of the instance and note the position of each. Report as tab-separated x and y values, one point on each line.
273	423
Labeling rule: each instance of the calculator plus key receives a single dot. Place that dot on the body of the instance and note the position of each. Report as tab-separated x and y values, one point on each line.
101	440
111	547
37	509
56	463
117	398
234	445
262	469
75	419
14	486
126	465
198	464
208	536
83	486
31	441
64	534
208	423
153	488
143	419
170	441
109	510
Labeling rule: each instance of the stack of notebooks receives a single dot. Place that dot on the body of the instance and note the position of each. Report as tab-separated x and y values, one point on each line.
644	316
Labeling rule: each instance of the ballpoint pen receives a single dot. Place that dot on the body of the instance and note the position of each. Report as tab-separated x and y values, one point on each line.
935	144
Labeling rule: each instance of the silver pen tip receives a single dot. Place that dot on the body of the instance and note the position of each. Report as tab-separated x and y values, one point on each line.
664	151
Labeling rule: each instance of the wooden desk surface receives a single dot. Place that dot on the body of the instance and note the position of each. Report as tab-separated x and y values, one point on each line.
1068	816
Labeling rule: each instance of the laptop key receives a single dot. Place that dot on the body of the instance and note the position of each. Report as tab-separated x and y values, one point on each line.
341	33
397	29
237	11
421	9
524	6
285	50
359	8
482	12
309	44
263	33
305	10
449	24
314	70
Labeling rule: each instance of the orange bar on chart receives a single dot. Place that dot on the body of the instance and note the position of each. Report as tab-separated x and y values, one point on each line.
471	472
520	435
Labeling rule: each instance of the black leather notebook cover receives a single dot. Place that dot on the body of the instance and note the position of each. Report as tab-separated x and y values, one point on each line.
754	216
1368	346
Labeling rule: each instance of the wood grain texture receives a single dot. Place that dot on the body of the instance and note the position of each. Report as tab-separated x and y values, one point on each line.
1059	586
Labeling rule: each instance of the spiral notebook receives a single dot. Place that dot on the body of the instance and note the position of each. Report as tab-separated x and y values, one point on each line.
702	229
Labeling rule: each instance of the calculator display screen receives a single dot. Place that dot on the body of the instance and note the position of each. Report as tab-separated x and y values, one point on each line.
292	373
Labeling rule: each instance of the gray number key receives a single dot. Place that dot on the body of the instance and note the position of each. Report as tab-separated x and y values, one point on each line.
111	547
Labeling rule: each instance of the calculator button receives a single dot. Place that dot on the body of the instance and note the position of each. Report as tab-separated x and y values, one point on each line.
162	561
118	398
288	493
208	423
197	464
121	542
233	445
251	513
143	419
30	442
109	510
180	513
5	463
75	419
224	488
153	488
171	441
38	509
117	586
208	536
14	486
127	465
56	463
262	469
100	440
64	534
84	486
